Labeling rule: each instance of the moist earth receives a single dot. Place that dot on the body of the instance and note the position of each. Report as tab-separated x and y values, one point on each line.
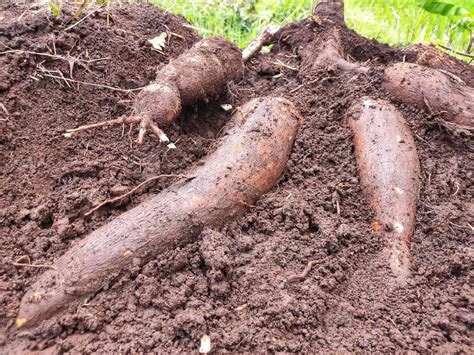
230	283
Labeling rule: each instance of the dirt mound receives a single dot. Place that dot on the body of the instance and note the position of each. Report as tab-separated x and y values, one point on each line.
230	283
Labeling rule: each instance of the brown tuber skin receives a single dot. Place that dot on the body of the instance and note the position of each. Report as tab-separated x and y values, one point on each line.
441	93
416	85
429	56
332	54
427	88
246	165
389	169
199	74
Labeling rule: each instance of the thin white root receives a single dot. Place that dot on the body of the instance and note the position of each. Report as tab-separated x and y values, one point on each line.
258	42
145	125
39	266
121	120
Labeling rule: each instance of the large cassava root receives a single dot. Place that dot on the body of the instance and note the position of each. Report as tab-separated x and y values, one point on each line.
199	74
389	169
247	163
425	88
430	56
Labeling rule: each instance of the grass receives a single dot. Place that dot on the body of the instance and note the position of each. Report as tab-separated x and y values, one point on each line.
401	22
396	22
240	20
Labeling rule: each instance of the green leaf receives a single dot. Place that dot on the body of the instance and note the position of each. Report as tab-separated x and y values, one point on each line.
465	24
54	9
445	9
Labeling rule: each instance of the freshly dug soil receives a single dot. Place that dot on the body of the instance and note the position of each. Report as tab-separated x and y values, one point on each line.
230	284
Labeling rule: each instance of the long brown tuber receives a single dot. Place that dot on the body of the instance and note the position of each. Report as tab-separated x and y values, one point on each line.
246	165
430	89
389	169
437	91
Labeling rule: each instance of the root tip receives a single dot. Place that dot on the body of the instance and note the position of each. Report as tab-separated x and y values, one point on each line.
20	322
164	138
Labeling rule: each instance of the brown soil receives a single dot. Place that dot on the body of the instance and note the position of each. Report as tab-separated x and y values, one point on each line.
231	283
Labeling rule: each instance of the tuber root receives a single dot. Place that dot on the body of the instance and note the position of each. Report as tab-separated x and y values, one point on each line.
199	74
430	56
438	91
332	55
389	170
413	84
427	88
246	165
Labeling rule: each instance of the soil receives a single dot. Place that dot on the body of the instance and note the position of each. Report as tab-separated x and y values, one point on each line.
230	283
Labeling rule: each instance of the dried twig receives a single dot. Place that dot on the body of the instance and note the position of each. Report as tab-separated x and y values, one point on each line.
457	190
200	29
4	109
281	64
118	198
29	264
66	58
247	204
307	269
459	53
312	82
93	84
40	266
82	19
452	76
439	224
303	85
264	38
176	35
81	9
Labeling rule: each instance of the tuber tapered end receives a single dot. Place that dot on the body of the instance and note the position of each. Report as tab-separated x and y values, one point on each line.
399	262
45	298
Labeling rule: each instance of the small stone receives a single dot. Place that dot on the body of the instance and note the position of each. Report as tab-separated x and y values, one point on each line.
205	344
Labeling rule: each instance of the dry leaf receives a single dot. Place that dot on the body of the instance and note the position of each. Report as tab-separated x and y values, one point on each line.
159	42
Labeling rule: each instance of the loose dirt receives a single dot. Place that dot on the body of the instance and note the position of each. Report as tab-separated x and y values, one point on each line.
239	284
